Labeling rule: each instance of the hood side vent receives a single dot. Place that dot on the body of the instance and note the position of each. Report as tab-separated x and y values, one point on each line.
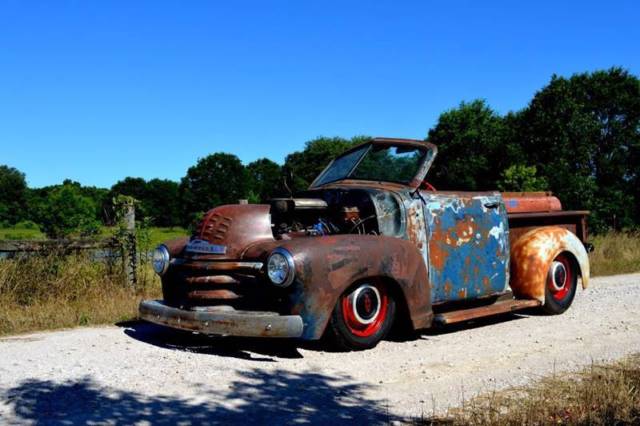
213	227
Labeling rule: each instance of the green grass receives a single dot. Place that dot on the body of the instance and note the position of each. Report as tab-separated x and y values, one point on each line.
156	234
159	235
22	231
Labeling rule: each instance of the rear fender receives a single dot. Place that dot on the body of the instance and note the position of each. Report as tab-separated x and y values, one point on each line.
531	258
327	266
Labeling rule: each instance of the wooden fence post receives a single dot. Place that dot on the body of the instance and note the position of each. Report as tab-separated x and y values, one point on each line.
130	258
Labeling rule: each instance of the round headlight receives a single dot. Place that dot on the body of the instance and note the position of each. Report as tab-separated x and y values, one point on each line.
280	267
160	260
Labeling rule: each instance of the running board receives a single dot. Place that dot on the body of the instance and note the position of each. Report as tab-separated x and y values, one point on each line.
484	311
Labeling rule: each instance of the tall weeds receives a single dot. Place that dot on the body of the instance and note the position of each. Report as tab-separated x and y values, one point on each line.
603	394
615	253
55	290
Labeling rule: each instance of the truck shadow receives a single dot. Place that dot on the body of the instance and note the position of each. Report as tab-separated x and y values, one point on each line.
473	324
268	350
440	330
256	397
253	349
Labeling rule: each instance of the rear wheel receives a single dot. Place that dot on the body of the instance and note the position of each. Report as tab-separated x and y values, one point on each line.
362	317
561	285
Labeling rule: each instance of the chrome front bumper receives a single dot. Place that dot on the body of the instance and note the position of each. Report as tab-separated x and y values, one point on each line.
222	320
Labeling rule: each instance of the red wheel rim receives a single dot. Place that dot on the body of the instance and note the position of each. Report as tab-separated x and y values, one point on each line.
561	267
362	314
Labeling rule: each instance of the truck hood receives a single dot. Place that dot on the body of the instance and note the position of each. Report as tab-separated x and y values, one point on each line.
229	229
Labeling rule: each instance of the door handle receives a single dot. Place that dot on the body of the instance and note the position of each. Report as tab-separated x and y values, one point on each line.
491	204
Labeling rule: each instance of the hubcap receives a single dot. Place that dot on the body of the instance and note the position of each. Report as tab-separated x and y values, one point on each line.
364	310
558	276
561	280
366	304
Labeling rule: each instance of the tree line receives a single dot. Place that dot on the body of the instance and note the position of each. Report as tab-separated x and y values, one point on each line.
578	137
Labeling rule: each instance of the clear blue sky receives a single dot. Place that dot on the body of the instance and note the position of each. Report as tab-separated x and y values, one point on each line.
98	90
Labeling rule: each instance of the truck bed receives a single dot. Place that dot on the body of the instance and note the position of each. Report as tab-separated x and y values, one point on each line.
528	210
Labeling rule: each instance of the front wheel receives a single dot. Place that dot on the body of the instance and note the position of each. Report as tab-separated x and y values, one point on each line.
561	285
362	317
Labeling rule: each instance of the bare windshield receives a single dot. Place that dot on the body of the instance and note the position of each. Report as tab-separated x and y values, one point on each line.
375	162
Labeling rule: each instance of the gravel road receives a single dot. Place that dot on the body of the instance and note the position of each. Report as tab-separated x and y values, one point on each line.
141	373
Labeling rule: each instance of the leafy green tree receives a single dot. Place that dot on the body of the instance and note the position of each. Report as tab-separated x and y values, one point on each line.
135	187
158	199
522	178
13	195
36	200
265	179
99	196
68	212
473	148
161	202
217	179
583	134
307	164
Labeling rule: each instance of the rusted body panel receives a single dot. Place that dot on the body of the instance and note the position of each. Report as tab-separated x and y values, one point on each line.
416	227
176	246
530	202
431	248
574	221
234	227
467	245
532	254
326	266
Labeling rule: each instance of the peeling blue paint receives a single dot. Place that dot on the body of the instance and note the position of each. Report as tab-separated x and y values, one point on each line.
468	246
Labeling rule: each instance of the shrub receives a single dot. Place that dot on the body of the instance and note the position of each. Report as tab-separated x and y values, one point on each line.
27	224
522	178
68	212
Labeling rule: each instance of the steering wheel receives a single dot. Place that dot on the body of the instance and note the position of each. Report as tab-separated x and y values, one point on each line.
427	186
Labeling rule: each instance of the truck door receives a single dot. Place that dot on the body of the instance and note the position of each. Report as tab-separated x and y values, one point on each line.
468	245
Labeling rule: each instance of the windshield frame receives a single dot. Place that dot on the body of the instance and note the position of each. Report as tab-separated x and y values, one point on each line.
429	153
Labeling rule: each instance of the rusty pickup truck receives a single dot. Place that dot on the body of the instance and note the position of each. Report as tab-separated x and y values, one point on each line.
370	243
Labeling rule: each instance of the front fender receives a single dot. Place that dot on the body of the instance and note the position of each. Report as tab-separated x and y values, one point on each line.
327	266
531	257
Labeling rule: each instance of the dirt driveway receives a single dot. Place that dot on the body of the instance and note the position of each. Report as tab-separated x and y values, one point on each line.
140	373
